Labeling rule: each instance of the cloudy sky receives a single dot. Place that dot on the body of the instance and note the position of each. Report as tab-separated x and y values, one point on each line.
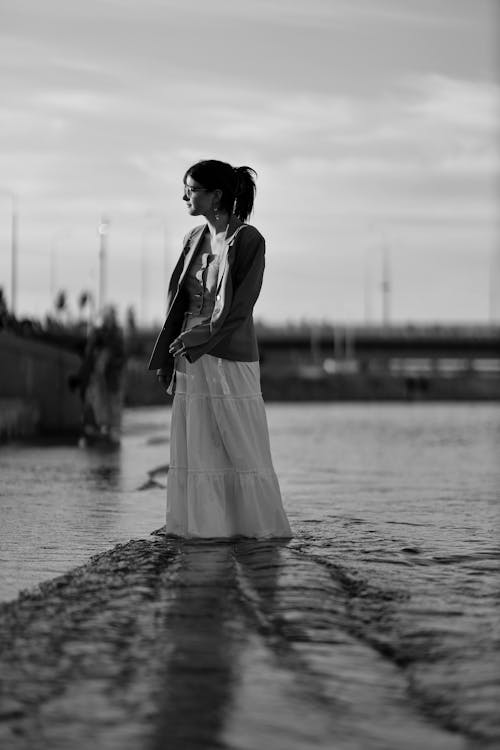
373	126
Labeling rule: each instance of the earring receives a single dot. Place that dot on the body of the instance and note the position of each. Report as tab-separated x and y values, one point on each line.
216	214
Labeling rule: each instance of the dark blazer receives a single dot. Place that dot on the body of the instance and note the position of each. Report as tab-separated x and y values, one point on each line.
230	333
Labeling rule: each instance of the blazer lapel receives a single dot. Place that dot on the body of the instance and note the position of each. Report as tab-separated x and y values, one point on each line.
194	242
233	230
223	265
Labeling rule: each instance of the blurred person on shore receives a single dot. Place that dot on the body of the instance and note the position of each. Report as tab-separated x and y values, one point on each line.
100	381
221	481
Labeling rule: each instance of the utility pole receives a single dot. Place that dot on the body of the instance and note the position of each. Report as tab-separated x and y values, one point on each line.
494	283
103	242
13	248
386	287
14	255
367	291
144	274
54	261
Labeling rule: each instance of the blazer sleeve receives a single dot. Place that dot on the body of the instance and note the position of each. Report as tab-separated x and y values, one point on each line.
160	357
241	294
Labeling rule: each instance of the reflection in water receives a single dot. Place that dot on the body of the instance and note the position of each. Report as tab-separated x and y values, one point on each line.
102	470
261	566
205	635
201	642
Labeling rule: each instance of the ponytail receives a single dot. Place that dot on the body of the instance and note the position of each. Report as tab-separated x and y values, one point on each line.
245	192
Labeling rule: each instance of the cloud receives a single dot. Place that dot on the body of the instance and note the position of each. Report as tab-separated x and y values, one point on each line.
459	104
72	101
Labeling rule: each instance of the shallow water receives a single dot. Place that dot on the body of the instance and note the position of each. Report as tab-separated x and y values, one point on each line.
400	500
403	501
61	504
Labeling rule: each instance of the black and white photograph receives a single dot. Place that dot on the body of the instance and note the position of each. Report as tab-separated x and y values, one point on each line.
250	375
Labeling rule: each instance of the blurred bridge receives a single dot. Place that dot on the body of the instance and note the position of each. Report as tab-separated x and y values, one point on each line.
396	348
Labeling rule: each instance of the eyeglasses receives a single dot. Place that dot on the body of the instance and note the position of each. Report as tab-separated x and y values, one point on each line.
189	190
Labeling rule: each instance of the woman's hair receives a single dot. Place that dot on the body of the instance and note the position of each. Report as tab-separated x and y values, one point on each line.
237	184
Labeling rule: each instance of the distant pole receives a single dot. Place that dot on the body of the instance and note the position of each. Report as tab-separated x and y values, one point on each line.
491	290
103	239
386	287
54	261
14	255
494	282
53	273
142	309
367	294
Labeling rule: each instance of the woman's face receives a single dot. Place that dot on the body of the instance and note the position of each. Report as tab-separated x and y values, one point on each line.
199	200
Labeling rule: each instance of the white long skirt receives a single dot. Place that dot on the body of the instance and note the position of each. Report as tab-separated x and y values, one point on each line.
221	482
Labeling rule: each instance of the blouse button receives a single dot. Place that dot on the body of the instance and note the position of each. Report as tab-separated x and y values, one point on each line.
218	297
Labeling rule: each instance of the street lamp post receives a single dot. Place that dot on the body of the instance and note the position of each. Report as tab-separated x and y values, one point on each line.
142	310
54	261
13	249
367	291
14	255
103	239
386	287
494	285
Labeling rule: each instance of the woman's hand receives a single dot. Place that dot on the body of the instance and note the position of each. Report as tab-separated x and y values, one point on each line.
163	379
176	347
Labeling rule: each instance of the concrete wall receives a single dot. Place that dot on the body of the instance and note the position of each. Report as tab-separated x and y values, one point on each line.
18	419
37	373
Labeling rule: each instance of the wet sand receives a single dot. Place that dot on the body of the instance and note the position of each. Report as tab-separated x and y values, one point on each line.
163	643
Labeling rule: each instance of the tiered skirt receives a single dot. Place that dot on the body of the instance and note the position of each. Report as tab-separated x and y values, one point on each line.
221	482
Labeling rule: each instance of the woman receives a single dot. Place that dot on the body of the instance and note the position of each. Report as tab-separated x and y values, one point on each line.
221	481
